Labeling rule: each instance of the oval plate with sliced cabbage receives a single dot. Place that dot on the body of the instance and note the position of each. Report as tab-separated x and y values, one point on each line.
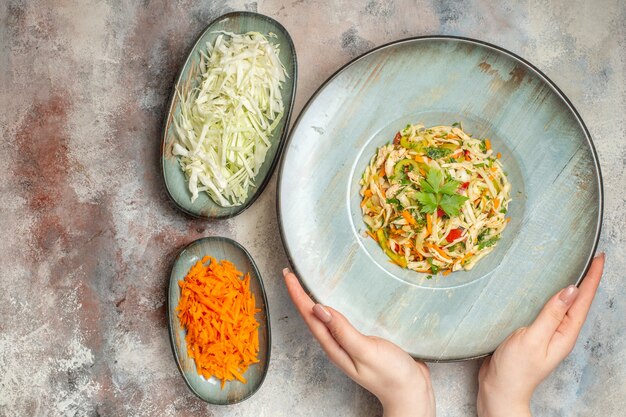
225	130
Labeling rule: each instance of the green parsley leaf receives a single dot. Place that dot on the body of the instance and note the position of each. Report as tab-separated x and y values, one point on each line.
434	178
451	204
437	153
455	124
428	201
394	201
429	277
439	193
426	186
450	187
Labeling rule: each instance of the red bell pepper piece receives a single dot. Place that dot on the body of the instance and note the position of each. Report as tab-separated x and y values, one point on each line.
454	234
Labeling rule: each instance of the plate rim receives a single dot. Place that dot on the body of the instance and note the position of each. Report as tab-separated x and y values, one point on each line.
497	48
283	137
267	314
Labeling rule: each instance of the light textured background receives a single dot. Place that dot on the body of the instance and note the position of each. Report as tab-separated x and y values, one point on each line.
88	235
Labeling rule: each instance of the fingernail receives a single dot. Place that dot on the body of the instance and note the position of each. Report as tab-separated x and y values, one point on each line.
285	271
602	256
568	294
321	313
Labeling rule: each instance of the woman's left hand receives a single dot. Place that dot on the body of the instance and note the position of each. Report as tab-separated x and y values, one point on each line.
401	384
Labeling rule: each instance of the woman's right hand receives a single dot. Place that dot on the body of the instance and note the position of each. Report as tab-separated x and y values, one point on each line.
509	377
400	383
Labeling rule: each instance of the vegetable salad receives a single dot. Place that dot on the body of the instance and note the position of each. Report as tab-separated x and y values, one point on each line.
435	199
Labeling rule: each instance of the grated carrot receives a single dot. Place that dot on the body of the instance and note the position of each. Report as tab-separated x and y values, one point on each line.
217	310
438	250
409	219
487	144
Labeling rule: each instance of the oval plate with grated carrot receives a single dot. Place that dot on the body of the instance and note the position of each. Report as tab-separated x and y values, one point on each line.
218	318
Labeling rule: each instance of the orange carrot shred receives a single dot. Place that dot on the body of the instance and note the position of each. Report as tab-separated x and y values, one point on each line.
217	310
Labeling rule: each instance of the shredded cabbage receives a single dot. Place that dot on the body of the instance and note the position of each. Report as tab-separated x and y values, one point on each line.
225	123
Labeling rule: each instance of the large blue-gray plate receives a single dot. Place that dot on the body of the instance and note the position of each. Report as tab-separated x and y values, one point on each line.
556	211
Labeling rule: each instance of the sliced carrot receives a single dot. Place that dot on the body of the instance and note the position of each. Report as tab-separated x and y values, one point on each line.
217	310
496	203
381	172
409	219
498	155
368	193
487	144
439	251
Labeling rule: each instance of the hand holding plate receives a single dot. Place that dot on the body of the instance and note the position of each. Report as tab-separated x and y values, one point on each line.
508	378
401	384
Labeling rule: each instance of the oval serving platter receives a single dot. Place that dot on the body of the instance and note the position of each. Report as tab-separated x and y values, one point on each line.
173	176
209	389
556	208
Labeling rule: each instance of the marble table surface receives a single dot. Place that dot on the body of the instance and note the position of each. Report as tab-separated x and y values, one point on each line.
88	234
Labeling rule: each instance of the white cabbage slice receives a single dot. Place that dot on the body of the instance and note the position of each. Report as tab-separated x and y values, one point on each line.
225	123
